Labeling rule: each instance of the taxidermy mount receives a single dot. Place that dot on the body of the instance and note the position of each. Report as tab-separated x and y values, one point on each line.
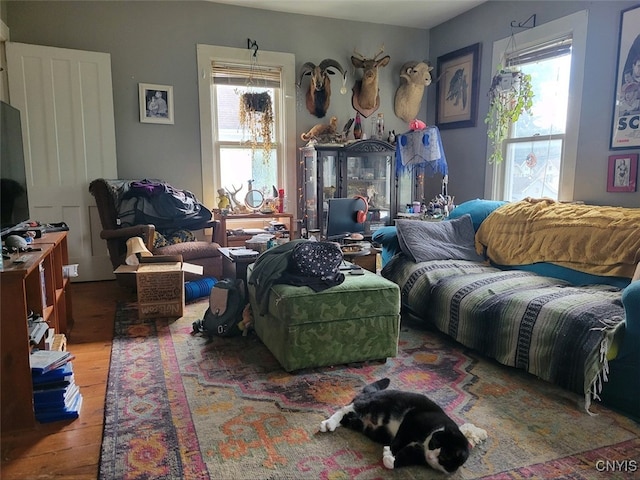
414	76
366	97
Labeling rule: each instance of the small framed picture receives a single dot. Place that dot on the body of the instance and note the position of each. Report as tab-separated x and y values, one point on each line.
156	103
623	173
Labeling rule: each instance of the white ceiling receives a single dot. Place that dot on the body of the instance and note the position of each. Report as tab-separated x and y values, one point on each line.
405	13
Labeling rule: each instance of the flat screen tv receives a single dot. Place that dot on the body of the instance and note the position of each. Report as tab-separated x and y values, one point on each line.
341	217
14	204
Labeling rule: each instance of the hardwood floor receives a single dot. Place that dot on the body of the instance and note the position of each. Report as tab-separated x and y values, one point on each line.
71	450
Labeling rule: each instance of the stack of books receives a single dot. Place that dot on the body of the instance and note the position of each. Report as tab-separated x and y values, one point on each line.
55	393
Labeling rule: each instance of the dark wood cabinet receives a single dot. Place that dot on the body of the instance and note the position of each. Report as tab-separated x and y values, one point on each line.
366	168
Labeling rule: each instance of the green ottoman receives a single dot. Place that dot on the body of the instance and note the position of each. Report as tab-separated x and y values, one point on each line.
355	321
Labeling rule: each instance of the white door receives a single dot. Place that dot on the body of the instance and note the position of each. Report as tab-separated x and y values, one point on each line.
66	105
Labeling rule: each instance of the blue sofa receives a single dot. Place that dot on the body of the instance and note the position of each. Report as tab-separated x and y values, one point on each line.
496	279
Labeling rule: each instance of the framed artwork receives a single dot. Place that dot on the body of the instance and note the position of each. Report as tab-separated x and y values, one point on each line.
457	89
623	173
156	103
625	131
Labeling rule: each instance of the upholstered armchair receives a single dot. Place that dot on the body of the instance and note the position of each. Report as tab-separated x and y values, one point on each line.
107	194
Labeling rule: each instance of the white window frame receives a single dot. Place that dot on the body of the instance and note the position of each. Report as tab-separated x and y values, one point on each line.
286	149
576	25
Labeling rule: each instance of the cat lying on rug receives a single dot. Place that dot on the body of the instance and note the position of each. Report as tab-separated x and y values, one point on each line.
413	429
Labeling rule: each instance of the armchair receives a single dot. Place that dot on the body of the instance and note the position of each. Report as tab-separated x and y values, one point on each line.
206	254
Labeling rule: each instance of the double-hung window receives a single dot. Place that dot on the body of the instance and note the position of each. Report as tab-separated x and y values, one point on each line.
540	150
233	154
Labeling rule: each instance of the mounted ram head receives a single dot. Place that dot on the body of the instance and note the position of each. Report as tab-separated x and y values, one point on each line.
319	92
414	76
366	98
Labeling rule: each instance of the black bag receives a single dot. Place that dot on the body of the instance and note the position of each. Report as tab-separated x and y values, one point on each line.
226	303
317	259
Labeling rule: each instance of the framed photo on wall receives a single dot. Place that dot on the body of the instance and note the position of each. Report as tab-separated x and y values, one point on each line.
625	132
457	89
623	173
156	103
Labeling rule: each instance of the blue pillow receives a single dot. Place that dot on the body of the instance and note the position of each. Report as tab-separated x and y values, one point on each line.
388	238
478	209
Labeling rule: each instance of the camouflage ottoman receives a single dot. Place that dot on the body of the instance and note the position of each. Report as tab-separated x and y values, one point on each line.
356	321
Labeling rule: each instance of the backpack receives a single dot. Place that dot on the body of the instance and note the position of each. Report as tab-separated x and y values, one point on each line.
226	303
317	259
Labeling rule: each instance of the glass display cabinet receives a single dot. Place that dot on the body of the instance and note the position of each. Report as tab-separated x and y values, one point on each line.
366	168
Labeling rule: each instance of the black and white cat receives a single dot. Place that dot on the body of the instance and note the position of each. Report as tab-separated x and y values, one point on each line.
413	429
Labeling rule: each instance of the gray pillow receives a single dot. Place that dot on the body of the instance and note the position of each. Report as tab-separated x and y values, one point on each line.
445	240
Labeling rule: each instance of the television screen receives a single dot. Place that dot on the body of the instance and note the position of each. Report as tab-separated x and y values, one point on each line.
341	217
14	205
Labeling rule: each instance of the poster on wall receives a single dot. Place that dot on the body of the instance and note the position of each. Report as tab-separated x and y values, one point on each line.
626	110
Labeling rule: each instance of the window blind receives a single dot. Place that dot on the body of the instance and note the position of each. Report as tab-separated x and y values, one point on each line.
245	75
555	48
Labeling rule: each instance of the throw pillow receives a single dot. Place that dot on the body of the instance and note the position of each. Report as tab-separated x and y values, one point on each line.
446	240
479	209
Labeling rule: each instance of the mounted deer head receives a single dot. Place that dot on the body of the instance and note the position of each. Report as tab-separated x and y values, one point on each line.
319	91
366	99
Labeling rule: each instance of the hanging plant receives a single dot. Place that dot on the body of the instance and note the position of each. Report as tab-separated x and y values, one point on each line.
256	116
510	95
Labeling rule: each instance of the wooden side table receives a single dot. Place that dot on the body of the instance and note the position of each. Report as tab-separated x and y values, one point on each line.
367	259
235	267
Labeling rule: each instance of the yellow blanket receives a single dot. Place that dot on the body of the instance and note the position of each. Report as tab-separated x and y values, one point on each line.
593	239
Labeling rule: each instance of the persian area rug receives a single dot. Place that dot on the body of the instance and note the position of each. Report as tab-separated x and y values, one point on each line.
178	407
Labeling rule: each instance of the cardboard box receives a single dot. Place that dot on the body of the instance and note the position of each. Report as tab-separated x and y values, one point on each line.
160	284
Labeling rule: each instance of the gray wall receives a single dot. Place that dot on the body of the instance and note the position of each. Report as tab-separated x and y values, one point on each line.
155	42
466	148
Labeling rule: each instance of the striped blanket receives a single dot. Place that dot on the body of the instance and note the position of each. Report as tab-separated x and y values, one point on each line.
556	331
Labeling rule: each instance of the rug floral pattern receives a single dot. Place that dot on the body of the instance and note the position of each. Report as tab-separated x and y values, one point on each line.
181	407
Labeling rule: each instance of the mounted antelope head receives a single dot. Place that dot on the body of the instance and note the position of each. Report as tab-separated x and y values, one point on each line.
366	99
319	92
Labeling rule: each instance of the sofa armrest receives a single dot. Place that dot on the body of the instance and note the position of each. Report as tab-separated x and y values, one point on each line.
631	302
388	238
217	235
145	231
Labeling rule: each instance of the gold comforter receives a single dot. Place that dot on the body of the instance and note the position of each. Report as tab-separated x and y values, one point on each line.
594	239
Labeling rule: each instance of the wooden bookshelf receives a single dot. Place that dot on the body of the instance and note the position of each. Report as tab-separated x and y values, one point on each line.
36	285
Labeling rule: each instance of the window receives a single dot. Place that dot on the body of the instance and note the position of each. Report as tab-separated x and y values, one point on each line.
534	147
540	152
231	156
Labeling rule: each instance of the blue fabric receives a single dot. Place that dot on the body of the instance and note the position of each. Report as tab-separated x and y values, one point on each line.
631	301
421	148
388	238
479	209
564	273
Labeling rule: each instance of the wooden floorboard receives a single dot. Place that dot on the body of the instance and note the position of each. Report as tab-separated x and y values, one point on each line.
71	450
